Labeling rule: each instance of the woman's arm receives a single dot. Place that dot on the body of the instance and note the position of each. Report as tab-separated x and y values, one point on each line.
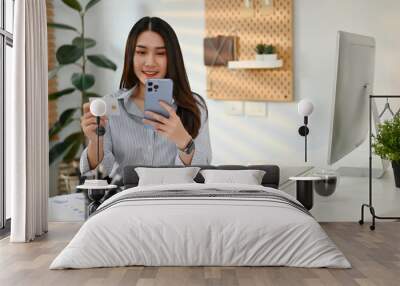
202	153
186	158
173	129
92	153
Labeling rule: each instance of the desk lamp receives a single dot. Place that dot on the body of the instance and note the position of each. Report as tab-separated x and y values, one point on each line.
98	108
97	188
305	108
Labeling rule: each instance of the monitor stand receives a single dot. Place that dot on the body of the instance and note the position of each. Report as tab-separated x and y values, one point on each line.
377	173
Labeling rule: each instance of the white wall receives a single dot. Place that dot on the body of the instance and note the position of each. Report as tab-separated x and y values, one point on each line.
274	138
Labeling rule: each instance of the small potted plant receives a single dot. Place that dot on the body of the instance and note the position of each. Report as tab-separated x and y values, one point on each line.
260	52
387	144
269	53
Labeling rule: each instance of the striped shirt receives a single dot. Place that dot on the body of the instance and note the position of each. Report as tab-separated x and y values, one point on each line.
128	142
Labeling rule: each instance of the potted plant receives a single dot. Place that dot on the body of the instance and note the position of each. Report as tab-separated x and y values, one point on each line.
386	144
260	52
269	53
74	54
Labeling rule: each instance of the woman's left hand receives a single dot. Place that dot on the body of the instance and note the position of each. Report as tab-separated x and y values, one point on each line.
171	128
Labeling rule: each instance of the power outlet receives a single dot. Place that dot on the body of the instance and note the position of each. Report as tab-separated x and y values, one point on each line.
234	107
255	108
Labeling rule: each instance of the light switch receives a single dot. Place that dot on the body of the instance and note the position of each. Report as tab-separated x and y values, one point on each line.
253	108
234	107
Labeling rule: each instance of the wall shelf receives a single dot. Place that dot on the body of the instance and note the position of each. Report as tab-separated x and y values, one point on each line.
255	64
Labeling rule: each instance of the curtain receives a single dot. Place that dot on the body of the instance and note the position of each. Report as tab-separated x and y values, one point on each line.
28	123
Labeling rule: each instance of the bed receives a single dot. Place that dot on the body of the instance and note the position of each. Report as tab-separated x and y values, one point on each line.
201	224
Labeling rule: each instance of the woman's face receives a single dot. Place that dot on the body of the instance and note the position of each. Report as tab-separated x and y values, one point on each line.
150	59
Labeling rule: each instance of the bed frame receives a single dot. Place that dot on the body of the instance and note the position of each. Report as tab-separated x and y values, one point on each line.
270	179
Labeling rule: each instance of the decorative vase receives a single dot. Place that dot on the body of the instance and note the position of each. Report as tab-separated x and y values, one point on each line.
270	57
327	185
259	57
396	173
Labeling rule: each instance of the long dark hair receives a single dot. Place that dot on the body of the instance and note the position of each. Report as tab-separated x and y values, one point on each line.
186	101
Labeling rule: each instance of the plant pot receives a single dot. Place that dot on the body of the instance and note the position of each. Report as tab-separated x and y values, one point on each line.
68	177
396	172
259	57
270	57
328	183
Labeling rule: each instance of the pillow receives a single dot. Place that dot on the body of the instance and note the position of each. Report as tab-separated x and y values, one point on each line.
163	176
248	177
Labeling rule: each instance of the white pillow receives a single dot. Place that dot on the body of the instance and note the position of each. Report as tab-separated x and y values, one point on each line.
248	177
163	176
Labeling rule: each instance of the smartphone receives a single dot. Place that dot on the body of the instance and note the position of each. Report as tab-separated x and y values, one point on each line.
157	89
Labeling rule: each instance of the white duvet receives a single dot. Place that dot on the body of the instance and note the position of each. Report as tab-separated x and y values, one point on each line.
200	231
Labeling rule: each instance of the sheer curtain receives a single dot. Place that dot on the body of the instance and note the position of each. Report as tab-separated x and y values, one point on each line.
27	123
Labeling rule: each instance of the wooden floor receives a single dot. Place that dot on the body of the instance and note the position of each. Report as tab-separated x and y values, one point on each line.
375	257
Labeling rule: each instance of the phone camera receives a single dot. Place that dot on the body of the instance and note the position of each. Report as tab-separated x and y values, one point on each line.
156	86
149	89
150	83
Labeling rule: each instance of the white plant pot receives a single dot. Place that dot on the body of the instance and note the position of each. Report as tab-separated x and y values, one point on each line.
270	57
259	57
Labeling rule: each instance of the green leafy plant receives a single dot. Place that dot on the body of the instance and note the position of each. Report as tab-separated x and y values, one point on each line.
386	143
74	54
269	49
260	49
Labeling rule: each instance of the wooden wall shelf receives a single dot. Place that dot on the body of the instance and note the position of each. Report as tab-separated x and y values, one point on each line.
246	80
255	64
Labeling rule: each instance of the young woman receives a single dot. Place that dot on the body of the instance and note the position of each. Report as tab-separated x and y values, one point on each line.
152	51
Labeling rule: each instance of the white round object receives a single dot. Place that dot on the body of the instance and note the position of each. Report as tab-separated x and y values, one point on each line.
309	178
98	107
96	185
305	107
86	187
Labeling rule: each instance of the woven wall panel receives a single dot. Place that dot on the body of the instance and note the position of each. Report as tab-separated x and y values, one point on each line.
222	18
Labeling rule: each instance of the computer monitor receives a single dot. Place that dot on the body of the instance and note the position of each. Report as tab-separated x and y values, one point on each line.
354	80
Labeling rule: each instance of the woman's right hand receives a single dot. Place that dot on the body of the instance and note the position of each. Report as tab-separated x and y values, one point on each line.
88	123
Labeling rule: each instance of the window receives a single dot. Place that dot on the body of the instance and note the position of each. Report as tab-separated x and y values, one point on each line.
6	44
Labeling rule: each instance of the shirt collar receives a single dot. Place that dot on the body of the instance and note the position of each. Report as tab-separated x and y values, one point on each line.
130	106
125	93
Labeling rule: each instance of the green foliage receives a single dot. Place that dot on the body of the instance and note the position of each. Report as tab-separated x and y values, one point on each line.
82	81
74	4
83	43
66	146
265	49
91	3
72	54
386	143
61	26
260	49
269	49
58	94
102	61
63	121
87	95
68	54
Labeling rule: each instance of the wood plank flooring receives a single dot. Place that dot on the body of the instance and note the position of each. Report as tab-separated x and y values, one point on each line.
375	257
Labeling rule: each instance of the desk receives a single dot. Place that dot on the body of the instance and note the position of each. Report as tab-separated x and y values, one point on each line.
304	190
96	195
291	171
